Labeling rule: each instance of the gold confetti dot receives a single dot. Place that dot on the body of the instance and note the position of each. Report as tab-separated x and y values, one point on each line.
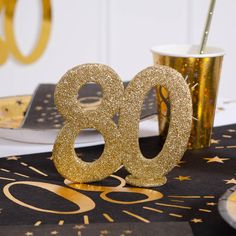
38	108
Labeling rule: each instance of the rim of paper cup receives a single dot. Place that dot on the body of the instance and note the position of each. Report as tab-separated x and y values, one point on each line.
181	50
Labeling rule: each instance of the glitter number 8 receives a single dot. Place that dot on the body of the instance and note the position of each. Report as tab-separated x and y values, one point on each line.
121	143
77	118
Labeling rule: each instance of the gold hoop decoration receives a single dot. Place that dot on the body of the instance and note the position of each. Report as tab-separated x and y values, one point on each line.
151	172
4	51
3	46
77	118
83	202
43	36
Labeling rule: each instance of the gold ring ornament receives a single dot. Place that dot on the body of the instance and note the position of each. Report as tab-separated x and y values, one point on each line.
9	45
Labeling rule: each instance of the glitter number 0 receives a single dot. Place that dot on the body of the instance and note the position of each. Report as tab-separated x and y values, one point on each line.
121	143
151	172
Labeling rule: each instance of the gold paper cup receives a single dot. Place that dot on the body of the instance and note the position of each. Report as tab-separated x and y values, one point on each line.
202	73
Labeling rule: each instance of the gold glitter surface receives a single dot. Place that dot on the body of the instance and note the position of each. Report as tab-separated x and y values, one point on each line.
65	159
151	172
121	143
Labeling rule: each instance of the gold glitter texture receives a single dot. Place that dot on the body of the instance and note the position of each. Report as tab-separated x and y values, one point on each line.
121	143
65	159
151	172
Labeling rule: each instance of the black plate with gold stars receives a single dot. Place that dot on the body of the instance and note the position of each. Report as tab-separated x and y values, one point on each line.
34	194
42	113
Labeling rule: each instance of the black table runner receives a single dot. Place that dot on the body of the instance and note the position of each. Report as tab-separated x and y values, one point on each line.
28	186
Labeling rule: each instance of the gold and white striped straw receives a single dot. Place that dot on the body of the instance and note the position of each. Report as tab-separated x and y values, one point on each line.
207	26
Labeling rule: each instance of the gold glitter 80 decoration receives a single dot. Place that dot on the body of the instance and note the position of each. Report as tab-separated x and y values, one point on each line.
9	45
121	142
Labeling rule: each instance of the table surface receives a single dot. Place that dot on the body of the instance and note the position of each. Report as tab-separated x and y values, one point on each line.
191	194
225	115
